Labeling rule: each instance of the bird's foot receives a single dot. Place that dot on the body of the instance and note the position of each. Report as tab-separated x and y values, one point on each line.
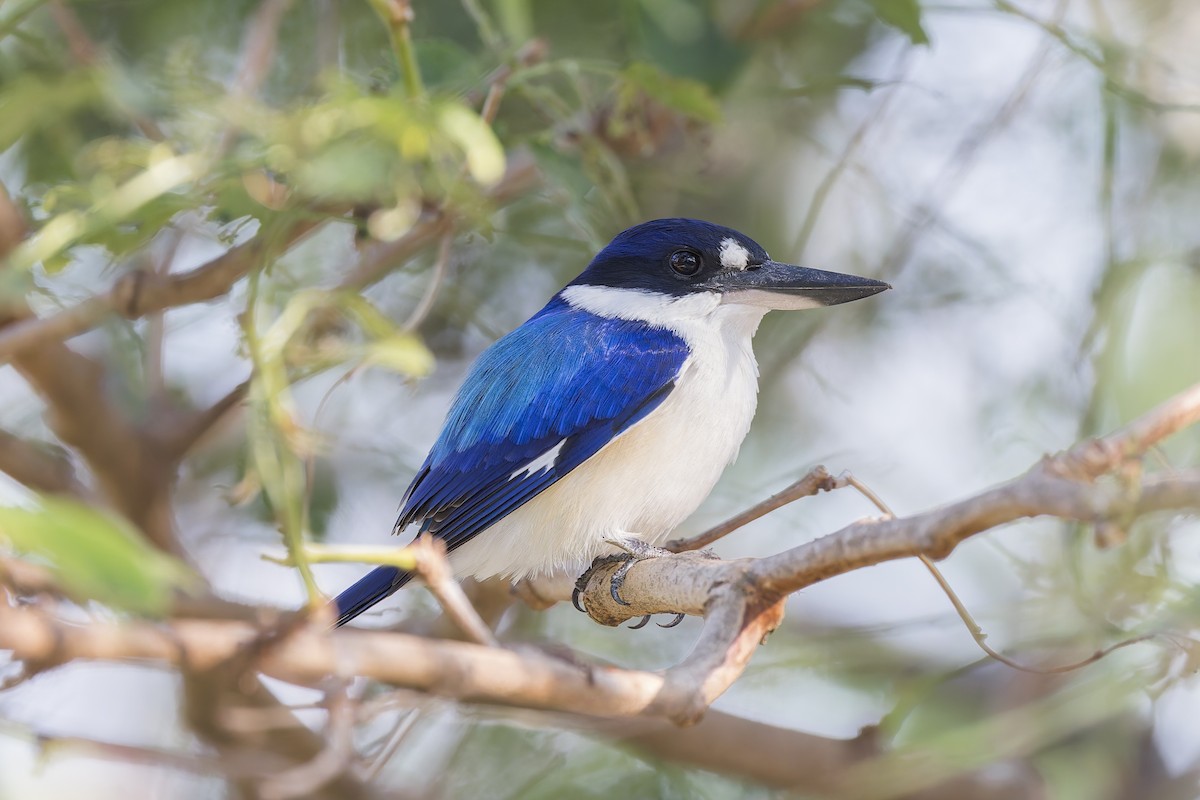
582	582
635	550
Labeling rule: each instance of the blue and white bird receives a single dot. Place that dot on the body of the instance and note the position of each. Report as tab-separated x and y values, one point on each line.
603	421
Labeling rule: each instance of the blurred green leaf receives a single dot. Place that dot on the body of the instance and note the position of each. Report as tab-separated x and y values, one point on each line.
485	155
400	352
904	15
1156	338
96	555
31	102
688	97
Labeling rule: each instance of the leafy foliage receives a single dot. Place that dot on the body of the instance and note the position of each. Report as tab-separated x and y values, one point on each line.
95	555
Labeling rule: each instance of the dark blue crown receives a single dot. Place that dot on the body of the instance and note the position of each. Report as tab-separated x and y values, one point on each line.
640	257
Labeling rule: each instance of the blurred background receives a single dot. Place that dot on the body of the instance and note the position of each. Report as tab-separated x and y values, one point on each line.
1023	173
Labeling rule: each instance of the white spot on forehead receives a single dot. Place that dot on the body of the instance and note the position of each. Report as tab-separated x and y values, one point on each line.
733	255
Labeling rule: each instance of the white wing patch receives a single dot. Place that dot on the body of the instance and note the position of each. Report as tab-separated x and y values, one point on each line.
733	255
540	464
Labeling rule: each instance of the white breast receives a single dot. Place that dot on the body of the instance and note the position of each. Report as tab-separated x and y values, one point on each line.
648	480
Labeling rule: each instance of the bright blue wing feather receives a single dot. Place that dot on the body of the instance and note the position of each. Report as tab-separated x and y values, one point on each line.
565	376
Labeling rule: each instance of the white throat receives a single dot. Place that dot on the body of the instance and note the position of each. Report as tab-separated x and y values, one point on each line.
695	317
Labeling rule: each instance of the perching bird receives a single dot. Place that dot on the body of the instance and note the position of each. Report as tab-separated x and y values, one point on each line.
608	416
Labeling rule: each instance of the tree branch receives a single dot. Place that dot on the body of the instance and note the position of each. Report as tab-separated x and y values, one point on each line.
37	467
741	601
128	468
381	257
817	480
143	292
181	438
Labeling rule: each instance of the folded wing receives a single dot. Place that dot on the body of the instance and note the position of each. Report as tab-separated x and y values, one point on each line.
536	405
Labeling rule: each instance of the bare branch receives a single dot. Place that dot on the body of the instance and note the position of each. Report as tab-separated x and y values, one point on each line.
114	751
440	265
817	480
1093	458
532	52
335	759
468	671
128	468
964	613
37	467
138	293
741	601
791	759
183	437
26	578
937	533
210	691
432	567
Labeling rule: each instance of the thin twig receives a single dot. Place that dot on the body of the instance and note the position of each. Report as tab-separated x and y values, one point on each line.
139	293
817	204
138	754
38	467
435	284
532	52
156	329
185	436
962	160
1059	485
817	480
336	758
434	570
258	52
405	725
976	631
397	16
398	557
85	53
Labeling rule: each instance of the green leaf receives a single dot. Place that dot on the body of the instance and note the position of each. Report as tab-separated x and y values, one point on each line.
684	95
485	155
904	15
400	352
95	555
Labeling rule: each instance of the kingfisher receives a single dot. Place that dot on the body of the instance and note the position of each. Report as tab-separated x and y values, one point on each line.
601	423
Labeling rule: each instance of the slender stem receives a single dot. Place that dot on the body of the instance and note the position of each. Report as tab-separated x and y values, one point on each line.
266	388
399	557
397	16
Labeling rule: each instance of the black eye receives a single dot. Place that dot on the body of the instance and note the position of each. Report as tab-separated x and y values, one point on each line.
685	262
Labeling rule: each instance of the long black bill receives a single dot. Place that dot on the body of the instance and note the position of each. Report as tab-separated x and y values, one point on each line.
783	286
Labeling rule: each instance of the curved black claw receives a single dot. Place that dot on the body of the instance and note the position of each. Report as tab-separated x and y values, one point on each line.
618	580
582	582
575	594
641	624
678	619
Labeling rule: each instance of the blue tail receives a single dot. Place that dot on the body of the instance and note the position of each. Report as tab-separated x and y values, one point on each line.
373	587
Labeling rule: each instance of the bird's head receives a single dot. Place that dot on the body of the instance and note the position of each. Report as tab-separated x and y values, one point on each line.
679	257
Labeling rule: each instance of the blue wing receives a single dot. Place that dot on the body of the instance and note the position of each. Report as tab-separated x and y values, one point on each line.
537	404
